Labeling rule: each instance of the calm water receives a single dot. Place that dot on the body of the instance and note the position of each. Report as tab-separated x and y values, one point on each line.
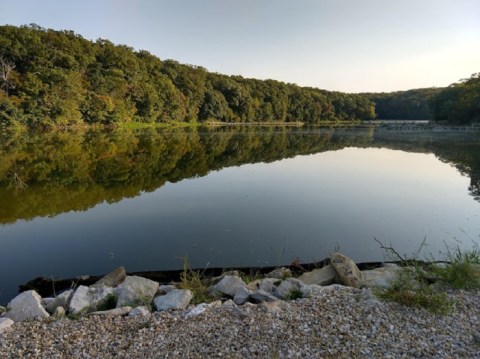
85	203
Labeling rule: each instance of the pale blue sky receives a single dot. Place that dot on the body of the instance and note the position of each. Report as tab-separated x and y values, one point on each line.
345	45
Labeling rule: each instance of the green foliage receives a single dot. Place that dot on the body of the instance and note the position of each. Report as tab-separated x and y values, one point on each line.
251	276
404	105
194	281
110	302
411	288
459	103
463	271
57	78
424	297
295	294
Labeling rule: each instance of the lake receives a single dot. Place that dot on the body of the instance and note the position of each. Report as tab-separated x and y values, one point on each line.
86	202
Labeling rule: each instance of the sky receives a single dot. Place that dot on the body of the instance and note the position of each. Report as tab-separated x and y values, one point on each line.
341	45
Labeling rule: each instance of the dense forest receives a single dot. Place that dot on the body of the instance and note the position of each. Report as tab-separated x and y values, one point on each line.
54	78
456	104
57	78
459	103
404	105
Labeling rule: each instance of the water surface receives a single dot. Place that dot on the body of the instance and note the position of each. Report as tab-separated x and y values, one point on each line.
87	202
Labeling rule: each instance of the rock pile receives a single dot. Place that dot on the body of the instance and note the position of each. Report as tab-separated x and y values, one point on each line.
117	294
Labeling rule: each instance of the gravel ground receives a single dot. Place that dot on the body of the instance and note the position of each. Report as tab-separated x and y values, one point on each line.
337	323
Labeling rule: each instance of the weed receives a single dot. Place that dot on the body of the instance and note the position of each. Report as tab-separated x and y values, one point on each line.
286	274
250	276
297	264
411	287
295	294
77	315
194	281
110	302
462	272
424	297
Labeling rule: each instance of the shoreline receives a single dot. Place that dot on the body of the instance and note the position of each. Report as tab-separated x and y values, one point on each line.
337	322
43	285
337	310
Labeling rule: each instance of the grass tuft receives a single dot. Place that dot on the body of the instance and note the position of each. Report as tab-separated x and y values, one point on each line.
463	271
110	302
194	281
410	288
425	297
295	294
250	276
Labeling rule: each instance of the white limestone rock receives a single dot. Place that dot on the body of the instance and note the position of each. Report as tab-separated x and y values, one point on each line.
136	291
5	324
347	270
142	311
320	276
60	300
175	299
46	301
279	273
285	289
117	312
230	285
87	299
26	306
266	284
232	273
382	277
199	309
112	279
310	290
59	313
242	296
229	304
261	296
164	289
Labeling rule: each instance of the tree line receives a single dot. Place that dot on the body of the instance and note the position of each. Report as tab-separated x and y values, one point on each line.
404	105
456	104
459	103
58	78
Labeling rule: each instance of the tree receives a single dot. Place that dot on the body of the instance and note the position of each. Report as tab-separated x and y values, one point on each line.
459	103
6	68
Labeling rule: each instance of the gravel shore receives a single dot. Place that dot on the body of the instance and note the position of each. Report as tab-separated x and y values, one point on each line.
336	323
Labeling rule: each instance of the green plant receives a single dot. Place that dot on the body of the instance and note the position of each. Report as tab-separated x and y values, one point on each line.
411	286
424	297
294	294
194	281
110	302
250	276
462	271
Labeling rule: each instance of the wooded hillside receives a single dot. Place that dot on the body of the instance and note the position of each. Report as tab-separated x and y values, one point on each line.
58	78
